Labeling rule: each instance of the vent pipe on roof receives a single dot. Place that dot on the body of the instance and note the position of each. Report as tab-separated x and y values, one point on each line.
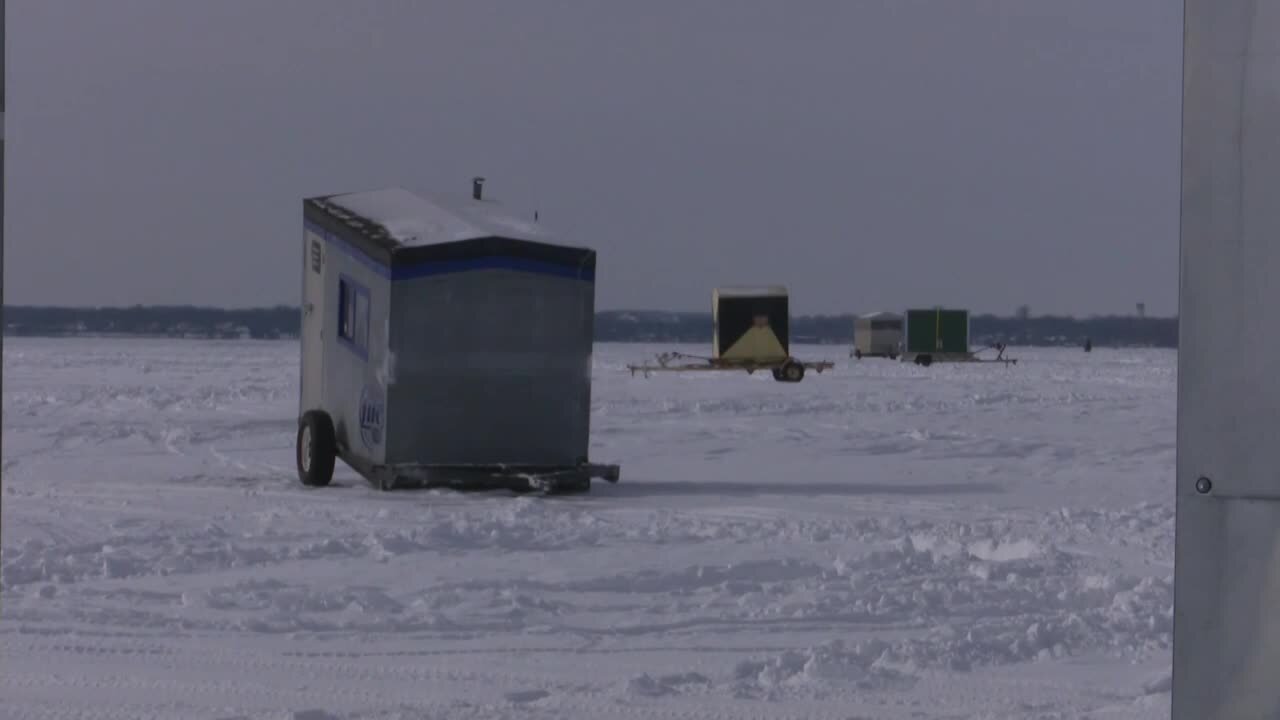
476	184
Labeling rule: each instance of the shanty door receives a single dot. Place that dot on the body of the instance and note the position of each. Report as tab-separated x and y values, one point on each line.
953	331
922	331
313	321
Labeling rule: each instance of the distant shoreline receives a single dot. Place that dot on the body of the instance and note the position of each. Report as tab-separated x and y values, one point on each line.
621	326
294	339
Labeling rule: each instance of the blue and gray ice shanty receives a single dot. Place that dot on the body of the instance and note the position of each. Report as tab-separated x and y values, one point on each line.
446	342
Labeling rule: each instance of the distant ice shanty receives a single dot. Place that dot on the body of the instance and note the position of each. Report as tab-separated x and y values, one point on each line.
751	323
936	335
443	342
941	335
877	334
750	332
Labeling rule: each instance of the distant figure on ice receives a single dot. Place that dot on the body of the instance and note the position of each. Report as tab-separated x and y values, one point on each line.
1088	345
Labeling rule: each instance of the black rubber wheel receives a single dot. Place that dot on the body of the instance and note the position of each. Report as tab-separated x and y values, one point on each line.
777	375
857	354
924	360
793	372
317	448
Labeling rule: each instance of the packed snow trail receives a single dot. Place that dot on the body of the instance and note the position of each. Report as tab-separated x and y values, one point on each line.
880	541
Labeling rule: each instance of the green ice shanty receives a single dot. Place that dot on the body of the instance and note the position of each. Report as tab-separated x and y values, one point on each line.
935	335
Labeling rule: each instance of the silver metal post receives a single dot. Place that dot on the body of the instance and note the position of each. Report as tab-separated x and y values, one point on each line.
1226	638
3	52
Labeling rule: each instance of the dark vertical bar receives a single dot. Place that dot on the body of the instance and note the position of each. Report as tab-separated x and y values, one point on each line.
3	52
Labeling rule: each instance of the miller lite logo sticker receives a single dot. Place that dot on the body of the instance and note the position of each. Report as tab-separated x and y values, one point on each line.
373	416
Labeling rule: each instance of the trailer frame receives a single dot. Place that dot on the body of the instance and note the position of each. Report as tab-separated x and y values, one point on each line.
925	359
318	449
545	479
857	354
788	369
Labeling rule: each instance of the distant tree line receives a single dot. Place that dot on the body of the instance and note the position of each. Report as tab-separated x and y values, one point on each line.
154	321
1114	331
611	326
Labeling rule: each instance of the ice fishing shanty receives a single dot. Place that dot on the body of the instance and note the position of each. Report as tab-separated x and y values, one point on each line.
942	335
750	331
443	343
877	334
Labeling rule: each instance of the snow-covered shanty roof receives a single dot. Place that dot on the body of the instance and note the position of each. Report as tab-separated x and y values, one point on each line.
410	231
413	220
881	315
751	291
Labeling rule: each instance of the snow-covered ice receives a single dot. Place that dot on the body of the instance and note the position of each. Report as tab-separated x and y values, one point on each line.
879	541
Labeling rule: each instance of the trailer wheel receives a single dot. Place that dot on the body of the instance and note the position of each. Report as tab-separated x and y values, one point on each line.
924	360
317	448
793	372
857	354
777	374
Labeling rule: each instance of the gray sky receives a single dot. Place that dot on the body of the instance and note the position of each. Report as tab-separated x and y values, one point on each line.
867	153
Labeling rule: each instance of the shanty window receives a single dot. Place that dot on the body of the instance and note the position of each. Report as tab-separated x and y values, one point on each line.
353	315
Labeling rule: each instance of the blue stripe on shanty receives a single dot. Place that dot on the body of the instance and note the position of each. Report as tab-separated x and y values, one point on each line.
351	251
444	267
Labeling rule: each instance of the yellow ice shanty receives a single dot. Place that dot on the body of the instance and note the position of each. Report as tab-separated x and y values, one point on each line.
750	324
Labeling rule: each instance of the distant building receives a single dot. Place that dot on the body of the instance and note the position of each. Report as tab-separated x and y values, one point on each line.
936	335
751	323
877	334
440	334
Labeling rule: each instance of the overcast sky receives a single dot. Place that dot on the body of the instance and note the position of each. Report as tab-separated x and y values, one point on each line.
869	154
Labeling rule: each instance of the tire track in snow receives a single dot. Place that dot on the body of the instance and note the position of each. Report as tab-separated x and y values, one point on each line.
246	691
254	664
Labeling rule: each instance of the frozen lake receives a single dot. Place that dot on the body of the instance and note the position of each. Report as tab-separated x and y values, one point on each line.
879	541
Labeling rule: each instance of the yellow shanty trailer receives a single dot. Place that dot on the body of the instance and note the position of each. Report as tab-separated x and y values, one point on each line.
750	333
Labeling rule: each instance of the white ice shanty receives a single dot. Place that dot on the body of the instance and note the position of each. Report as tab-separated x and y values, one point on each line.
877	334
443	342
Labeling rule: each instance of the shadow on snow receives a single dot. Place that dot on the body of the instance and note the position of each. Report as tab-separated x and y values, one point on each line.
645	488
